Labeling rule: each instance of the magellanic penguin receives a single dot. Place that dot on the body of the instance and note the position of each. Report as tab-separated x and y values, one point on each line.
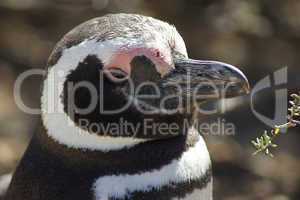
117	116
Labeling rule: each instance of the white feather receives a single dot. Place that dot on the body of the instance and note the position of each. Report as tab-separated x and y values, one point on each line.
4	183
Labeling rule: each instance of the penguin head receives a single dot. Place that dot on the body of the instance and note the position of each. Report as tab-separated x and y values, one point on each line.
120	80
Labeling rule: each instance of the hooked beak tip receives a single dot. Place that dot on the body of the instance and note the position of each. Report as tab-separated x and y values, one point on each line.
221	75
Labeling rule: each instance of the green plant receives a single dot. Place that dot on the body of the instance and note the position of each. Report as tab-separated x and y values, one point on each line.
264	143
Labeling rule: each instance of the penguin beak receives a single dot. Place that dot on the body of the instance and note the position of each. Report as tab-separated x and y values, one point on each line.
207	79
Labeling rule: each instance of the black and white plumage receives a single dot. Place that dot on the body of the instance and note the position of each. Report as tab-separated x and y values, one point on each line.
68	161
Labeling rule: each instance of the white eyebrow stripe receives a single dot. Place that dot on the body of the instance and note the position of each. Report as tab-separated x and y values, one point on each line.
57	123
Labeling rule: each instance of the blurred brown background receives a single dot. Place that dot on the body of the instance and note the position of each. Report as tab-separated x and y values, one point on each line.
260	36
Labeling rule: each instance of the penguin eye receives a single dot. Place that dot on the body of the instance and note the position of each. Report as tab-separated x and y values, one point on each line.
116	75
158	54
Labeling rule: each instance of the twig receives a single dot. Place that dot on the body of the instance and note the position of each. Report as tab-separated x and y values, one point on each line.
264	143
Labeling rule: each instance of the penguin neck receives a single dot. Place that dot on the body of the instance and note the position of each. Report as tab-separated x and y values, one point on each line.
57	166
140	158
